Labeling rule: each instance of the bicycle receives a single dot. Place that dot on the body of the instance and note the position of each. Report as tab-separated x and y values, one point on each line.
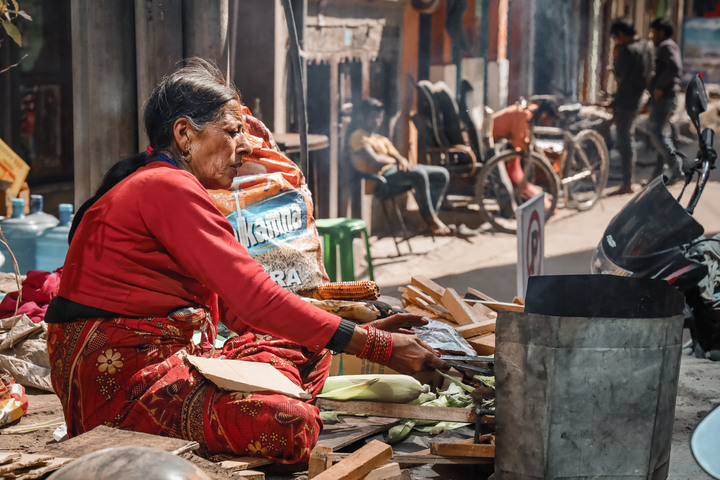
578	171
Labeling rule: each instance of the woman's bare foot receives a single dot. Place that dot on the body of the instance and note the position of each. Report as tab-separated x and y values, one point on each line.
437	227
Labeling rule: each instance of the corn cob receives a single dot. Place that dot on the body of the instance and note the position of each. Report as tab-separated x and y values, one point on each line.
361	290
391	388
359	311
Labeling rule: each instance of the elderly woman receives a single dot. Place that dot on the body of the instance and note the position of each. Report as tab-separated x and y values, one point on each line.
150	256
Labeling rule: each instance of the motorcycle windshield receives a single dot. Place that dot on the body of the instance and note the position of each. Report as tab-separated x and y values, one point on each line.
650	223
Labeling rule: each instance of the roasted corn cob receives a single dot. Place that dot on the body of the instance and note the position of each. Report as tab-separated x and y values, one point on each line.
361	290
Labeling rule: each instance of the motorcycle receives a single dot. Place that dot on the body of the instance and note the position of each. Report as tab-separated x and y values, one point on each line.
654	236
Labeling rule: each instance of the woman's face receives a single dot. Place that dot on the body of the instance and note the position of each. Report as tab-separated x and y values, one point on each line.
217	151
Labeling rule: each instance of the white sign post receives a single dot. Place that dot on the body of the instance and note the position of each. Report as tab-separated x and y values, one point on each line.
530	241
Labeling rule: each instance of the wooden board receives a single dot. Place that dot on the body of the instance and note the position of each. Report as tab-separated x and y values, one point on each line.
251	475
424	459
388	471
359	463
338	435
480	295
428	287
497	306
243	463
415	293
458	308
484	344
319	461
106	437
463	449
396	410
477	329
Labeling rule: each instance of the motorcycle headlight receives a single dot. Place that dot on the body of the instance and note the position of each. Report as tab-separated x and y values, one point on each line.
602	264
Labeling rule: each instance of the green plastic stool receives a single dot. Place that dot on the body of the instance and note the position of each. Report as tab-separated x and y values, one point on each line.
340	232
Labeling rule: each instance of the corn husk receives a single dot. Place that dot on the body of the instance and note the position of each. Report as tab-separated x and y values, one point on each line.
390	388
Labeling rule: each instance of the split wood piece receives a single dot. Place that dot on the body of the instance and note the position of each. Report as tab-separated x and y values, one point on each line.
251	475
26	460
319	461
416	294
428	287
359	463
389	471
416	310
463	448
243	463
423	459
458	308
482	311
397	410
497	306
518	300
477	329
42	471
484	344
440	310
480	295
409	300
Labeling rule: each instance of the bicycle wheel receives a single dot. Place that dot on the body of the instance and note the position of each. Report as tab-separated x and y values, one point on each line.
586	169
498	197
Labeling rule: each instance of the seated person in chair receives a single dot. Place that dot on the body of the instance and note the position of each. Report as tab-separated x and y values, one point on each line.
375	154
513	124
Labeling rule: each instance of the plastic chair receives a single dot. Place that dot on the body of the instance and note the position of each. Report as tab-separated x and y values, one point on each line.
339	233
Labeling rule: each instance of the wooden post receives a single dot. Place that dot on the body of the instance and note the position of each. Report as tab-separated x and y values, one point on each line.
158	45
205	30
334	144
104	90
365	77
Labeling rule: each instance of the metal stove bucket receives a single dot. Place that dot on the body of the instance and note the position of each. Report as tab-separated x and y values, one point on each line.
586	379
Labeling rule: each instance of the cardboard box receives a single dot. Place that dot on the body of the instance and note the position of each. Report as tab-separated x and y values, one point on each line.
12	169
352	365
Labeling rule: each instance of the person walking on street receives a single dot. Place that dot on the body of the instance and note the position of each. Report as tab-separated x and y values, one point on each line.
632	66
663	97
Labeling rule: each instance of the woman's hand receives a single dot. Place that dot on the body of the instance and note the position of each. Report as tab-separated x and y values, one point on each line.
399	323
411	355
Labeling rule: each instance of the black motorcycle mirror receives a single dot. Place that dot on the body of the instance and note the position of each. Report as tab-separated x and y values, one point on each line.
695	101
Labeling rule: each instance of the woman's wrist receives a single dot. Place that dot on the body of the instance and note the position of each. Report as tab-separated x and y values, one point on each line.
357	341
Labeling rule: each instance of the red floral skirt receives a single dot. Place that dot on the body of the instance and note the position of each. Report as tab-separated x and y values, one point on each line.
131	374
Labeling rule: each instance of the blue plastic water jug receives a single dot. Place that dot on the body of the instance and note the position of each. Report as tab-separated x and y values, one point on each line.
37	214
21	235
52	244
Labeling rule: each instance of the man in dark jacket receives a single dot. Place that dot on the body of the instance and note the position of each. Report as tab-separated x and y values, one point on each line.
663	101
632	67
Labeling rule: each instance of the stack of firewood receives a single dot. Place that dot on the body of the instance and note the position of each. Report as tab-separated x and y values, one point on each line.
473	315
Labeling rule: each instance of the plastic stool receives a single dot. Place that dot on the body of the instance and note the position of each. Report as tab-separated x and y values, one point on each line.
339	232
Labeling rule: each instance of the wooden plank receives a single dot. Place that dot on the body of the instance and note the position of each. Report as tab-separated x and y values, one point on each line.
251	475
319	461
477	329
424	459
482	311
458	308
497	306
397	410
339	435
463	449
484	344
416	293
428	287
105	437
359	463
243	463
389	471
480	295
440	310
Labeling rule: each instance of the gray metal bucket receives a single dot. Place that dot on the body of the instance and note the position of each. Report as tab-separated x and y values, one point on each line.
587	396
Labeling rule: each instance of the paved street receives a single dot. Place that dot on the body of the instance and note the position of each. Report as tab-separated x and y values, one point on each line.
487	262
